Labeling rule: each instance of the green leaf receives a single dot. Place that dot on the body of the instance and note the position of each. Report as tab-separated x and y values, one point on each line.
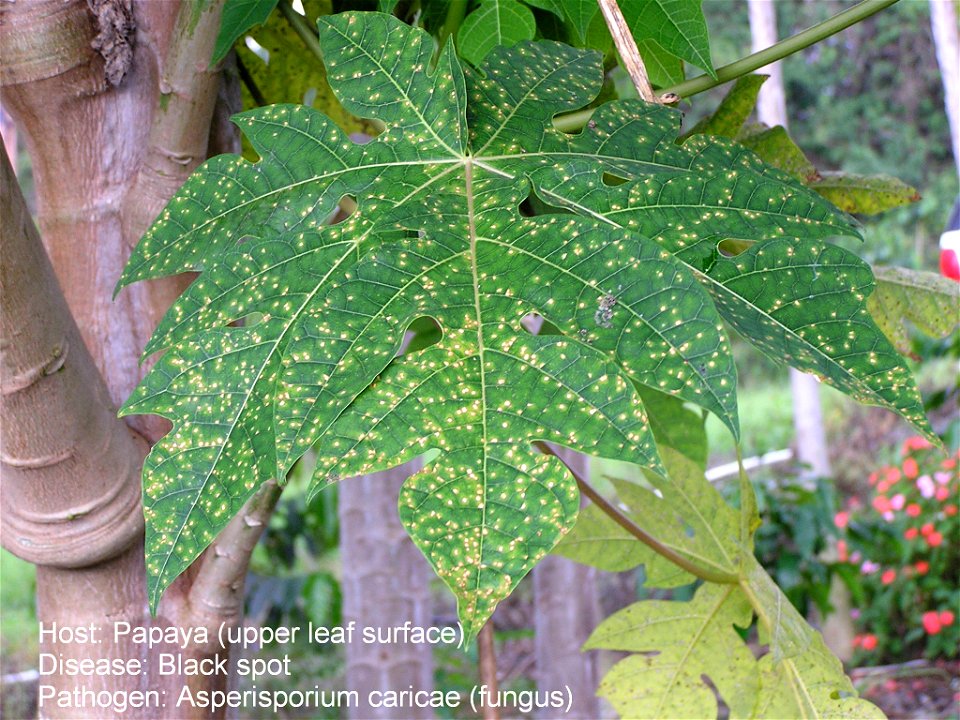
291	74
799	677
494	22
580	14
678	26
775	146
864	194
663	68
386	6
238	17
927	300
733	111
845	349
691	640
624	272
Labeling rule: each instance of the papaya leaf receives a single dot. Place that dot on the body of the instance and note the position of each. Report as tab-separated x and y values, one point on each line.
927	300
291	73
438	233
846	350
678	26
733	111
776	147
494	22
684	513
663	68
682	643
238	17
799	676
864	194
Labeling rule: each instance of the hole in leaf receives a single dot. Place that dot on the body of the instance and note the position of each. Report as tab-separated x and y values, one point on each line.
611	180
536	324
534	205
346	207
421	334
731	247
250	320
309	96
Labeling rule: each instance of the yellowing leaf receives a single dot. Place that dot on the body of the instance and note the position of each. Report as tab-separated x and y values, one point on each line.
927	300
682	643
864	194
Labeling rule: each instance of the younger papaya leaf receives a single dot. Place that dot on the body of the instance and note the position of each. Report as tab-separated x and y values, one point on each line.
864	194
438	233
492	23
238	17
678	26
663	68
927	300
677	646
799	676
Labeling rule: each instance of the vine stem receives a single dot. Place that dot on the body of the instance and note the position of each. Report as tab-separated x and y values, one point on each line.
795	43
301	27
638	532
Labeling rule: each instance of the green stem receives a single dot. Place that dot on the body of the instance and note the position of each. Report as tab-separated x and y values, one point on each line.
247	79
301	27
455	13
638	532
841	21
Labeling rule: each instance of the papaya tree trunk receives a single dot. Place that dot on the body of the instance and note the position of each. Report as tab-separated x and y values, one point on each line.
114	100
386	583
566	612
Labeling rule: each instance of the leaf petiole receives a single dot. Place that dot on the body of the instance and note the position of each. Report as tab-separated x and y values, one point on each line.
638	532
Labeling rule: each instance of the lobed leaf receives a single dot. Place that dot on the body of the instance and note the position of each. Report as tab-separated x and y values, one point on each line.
682	643
622	259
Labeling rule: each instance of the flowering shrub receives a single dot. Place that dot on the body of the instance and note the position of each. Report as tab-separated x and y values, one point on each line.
906	544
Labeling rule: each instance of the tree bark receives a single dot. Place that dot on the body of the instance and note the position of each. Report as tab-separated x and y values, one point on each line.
386	583
567	611
114	100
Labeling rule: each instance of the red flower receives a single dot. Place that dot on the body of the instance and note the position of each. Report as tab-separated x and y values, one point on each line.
874	476
946	618
931	622
926	529
922	567
942	493
949	464
888	576
914	443
950	510
910	533
913	510
910	468
842	550
868	642
881	503
934	539
841	519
